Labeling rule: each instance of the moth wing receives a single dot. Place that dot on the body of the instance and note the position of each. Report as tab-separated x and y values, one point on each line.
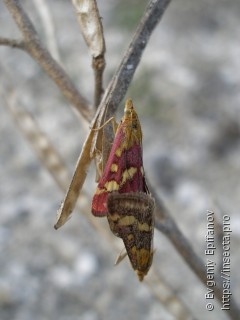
110	179
131	218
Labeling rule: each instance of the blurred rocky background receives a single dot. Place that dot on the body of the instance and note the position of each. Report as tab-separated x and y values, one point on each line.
187	94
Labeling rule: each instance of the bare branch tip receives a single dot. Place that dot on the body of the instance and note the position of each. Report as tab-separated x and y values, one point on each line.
13	43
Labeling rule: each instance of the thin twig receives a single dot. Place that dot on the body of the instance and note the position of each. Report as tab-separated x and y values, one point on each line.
92	30
98	64
19	44
42	56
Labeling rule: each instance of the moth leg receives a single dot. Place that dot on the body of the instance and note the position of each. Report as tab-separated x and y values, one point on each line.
121	256
114	124
112	119
99	165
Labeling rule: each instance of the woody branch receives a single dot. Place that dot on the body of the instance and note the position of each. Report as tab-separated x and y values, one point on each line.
19	44
90	23
98	64
122	78
124	74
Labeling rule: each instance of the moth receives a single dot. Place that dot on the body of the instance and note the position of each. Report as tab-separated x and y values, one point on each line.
123	196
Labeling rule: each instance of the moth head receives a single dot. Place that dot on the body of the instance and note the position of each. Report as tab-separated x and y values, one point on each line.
129	112
132	123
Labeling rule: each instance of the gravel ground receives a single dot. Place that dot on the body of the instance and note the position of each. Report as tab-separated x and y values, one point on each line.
186	92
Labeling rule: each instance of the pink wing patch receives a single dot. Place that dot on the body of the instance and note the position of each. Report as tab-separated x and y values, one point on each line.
129	158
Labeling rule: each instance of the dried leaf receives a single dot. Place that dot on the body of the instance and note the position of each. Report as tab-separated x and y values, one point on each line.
91	25
76	184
